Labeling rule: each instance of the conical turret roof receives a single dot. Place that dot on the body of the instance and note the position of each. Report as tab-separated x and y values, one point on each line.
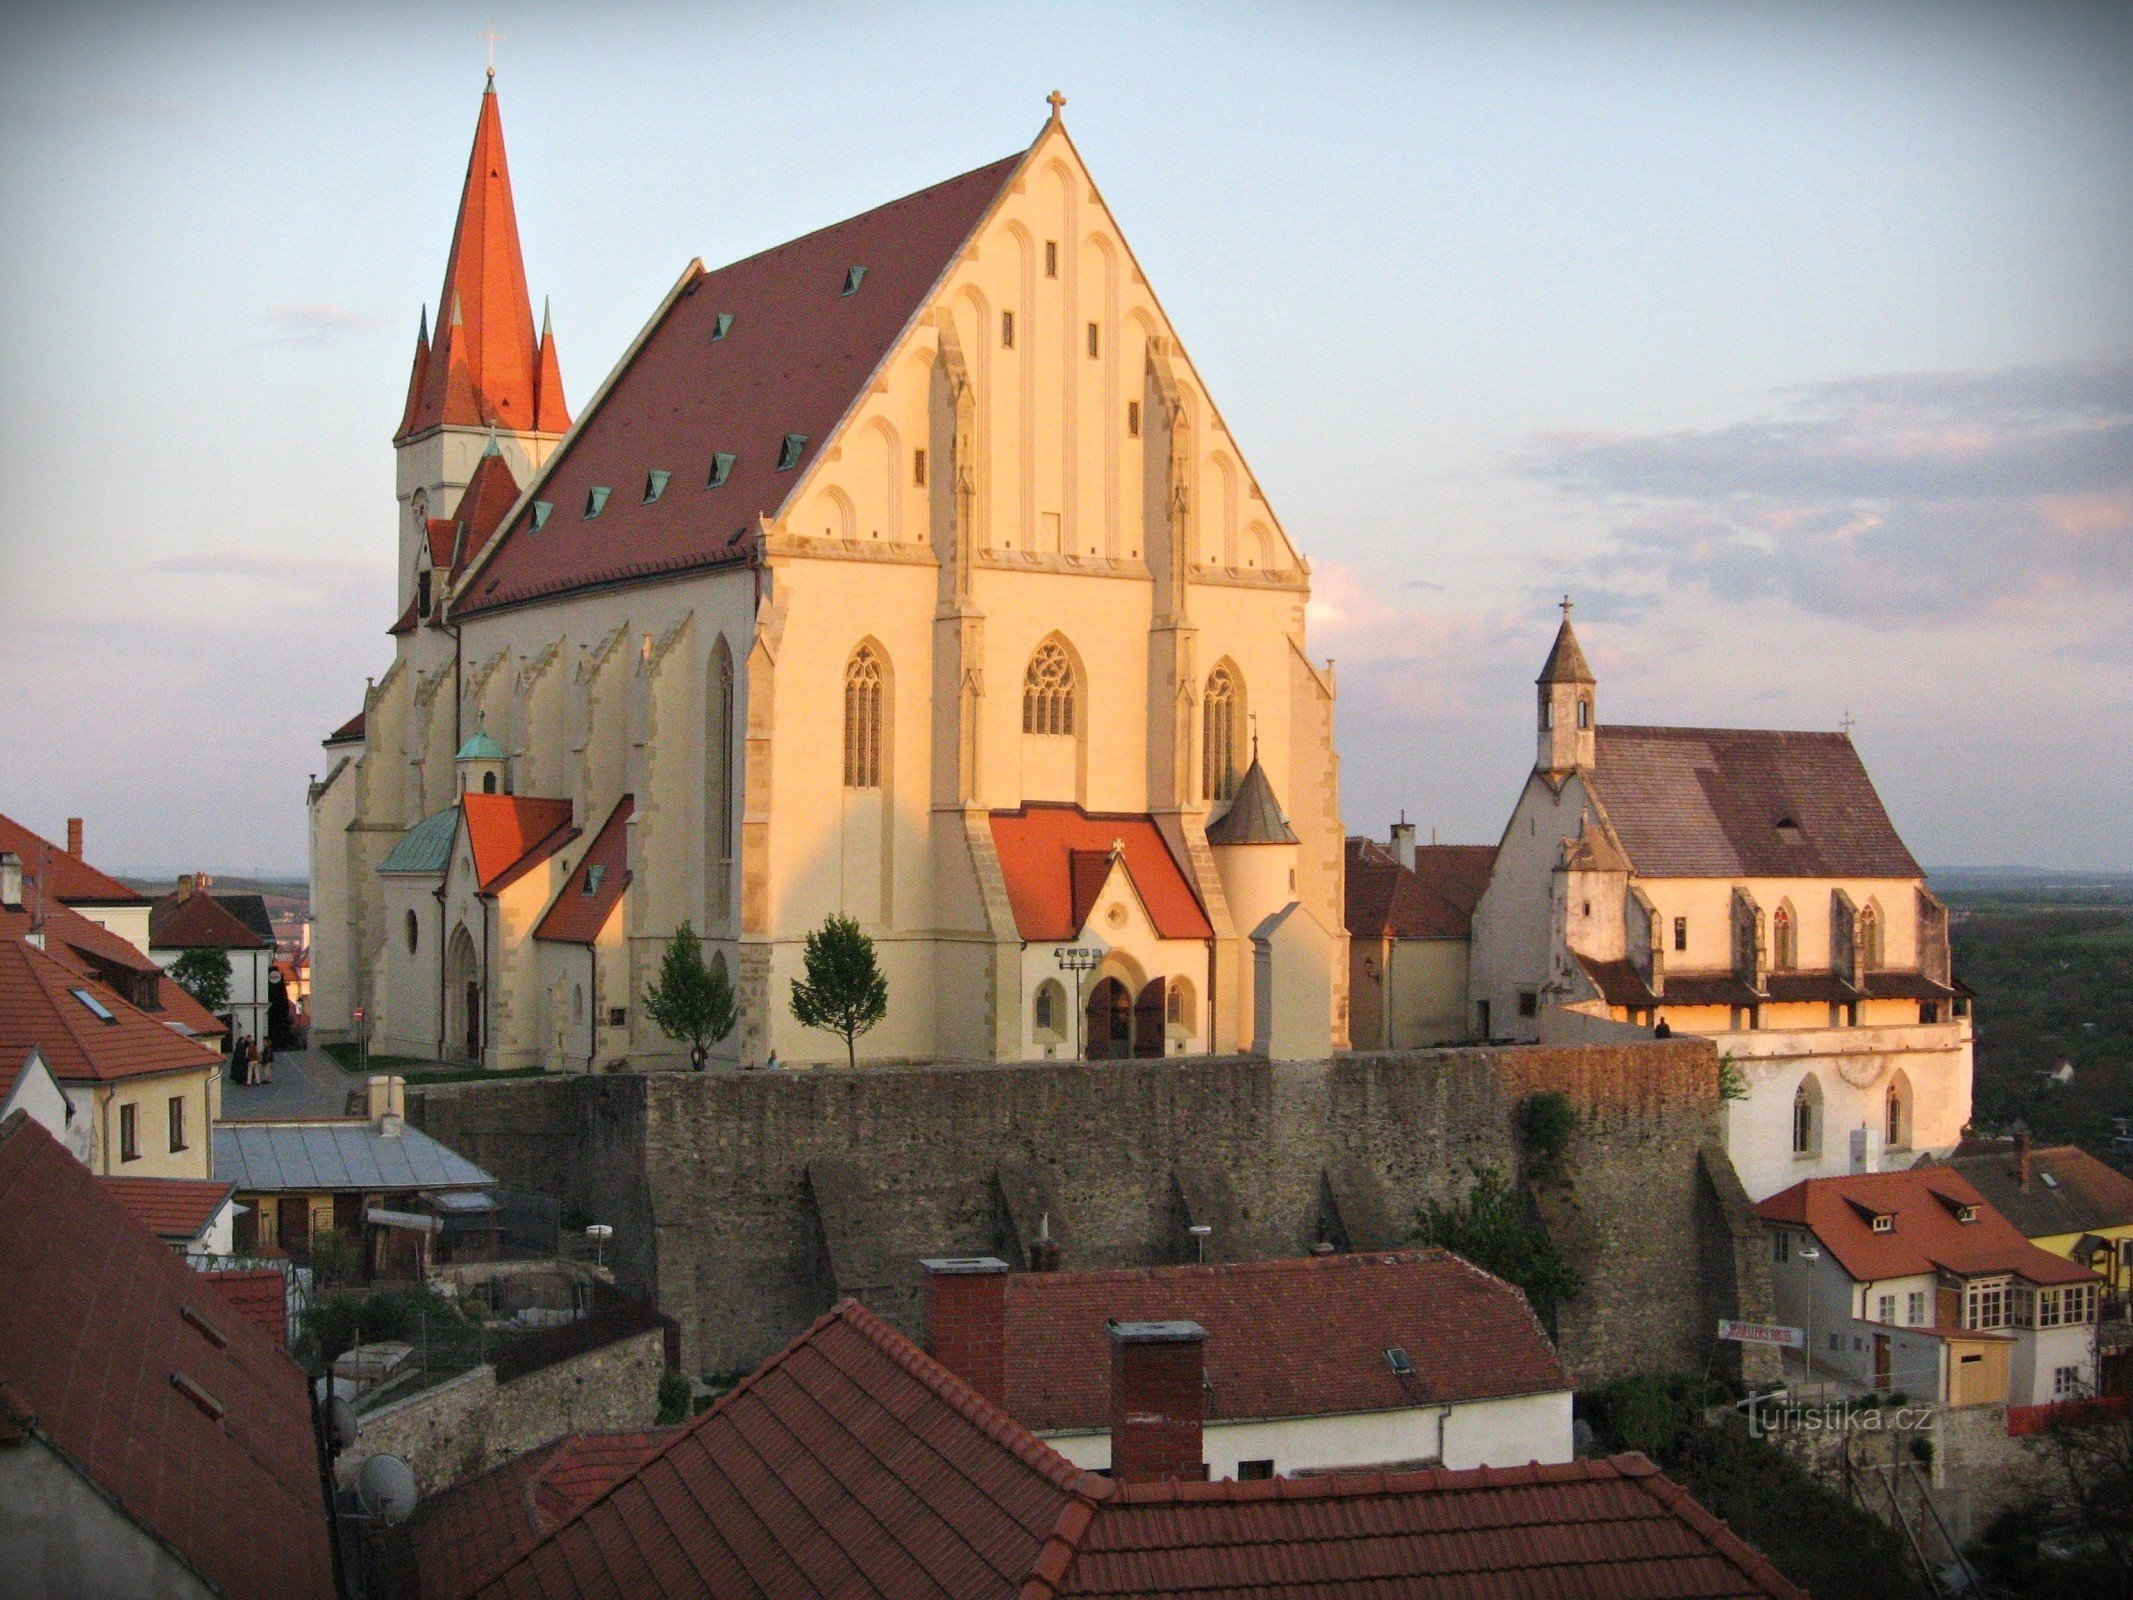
1566	662
1254	815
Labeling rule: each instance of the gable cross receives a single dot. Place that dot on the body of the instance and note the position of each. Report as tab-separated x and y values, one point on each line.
1056	101
494	39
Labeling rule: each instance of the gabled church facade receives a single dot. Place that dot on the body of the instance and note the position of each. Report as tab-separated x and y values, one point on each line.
1742	884
906	572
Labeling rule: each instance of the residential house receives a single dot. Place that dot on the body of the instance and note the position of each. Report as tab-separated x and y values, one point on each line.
1376	1359
153	1440
194	1216
1410	930
94	952
193	918
2061	1198
890	1475
1910	1280
58	876
1740	884
410	1199
136	1096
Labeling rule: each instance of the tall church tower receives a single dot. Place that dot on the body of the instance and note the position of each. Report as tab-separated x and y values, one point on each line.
485	373
1566	705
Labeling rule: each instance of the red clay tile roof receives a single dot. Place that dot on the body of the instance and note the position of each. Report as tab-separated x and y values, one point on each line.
485	366
352	730
68	878
1433	900
1055	858
483	504
577	917
93	951
850	1463
512	834
102	1322
1300	1337
1709	802
465	1535
259	1294
1923	1200
38	1007
199	921
170	1208
796	356
2069	1190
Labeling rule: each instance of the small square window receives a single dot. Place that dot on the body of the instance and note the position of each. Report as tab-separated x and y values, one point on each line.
1681	933
541	512
789	452
1007	330
1254	1471
721	468
853	278
721	326
617	1016
1133	419
1051	258
1096	341
655	485
918	468
595	500
1528	1003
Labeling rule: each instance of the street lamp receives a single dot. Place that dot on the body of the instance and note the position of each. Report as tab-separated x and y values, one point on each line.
1077	959
1810	1255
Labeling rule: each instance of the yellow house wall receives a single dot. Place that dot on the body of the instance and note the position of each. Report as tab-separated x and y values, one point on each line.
150	1097
2062	1244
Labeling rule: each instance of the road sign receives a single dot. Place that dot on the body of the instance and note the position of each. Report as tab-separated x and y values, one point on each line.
1762	1333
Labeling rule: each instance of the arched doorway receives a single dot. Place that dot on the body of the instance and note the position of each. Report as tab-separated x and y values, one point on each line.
1148	1020
1109	1035
462	996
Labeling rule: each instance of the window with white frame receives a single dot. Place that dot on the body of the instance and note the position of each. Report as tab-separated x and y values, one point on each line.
1781	1246
1985	1303
1885	1310
2066	1383
1914	1308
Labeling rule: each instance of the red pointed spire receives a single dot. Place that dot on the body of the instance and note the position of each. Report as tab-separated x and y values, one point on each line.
483	368
414	381
550	414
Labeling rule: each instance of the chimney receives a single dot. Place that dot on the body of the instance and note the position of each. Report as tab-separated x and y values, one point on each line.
1044	1249
1158	1400
10	879
966	1320
1403	842
2022	1161
74	837
386	1103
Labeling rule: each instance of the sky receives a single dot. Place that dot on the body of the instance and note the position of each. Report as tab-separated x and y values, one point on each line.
1794	341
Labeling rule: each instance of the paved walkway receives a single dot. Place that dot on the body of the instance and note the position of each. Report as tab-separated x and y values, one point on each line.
307	1083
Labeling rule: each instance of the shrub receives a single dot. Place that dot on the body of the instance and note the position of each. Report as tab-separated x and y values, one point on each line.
1492	1227
673	1398
1546	1122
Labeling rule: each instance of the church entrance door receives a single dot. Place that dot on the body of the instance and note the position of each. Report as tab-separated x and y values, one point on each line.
1148	1019
1110	1022
473	1022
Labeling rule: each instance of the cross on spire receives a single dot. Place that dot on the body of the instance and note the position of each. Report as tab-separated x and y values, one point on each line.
1847	722
494	39
1566	607
1057	102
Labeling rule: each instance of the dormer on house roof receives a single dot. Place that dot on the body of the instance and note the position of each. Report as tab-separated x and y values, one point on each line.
1915	1221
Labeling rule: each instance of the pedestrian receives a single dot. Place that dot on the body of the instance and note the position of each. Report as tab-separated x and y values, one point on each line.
241	1061
1665	1030
266	1058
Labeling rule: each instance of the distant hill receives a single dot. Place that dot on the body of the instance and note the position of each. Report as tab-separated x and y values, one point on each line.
283	896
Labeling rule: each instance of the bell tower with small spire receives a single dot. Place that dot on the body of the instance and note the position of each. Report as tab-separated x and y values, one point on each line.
1567	705
484	380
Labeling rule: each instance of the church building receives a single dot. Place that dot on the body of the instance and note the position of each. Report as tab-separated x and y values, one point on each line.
905	571
1741	884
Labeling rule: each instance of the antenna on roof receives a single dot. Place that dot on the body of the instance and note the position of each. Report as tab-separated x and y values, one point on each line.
1847	722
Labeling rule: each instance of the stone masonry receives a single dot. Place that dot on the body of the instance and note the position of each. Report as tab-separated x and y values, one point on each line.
750	1202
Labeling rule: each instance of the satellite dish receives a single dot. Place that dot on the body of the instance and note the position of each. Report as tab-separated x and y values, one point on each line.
386	1488
341	1423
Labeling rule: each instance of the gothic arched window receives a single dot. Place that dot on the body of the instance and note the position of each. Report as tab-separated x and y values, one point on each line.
1784	940
1807	1117
720	734
862	720
1048	692
1218	737
1869	939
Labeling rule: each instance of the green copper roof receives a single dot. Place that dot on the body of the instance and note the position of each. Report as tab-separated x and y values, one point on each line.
481	748
427	846
1254	815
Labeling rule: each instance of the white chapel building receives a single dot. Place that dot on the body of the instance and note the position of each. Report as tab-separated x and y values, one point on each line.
905	571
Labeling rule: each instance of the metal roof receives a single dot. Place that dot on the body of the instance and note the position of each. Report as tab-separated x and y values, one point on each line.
307	1157
427	846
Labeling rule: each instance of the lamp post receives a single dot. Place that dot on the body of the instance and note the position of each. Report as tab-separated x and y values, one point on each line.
1077	959
1809	1254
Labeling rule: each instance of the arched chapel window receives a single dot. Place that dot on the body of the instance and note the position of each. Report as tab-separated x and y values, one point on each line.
1806	1118
1584	713
1869	938
1784	940
722	755
1218	741
862	720
1048	692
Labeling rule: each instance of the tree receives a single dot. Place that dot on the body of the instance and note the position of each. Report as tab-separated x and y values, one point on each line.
205	975
844	991
690	1000
1494	1228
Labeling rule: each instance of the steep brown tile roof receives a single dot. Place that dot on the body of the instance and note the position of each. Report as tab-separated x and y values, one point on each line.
119	1354
577	917
38	1006
259	1294
1923	1201
852	1464
1434	899
67	878
93	951
795	356
199	921
1055	859
173	1209
1300	1337
2069	1191
352	730
1716	802
467	1534
512	834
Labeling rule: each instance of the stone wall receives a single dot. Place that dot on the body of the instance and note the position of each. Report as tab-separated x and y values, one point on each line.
471	1423
749	1202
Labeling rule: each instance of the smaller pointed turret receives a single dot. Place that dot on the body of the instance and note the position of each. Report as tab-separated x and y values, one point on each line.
550	413
1568	691
418	374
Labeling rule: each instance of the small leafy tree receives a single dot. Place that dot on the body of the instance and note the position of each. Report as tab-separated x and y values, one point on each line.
1493	1228
844	991
205	975
690	1000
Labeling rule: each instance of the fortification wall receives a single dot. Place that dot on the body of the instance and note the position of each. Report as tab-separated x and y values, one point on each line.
751	1201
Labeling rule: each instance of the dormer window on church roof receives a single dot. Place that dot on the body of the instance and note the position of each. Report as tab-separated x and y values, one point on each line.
595	500
721	468
655	485
789	452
